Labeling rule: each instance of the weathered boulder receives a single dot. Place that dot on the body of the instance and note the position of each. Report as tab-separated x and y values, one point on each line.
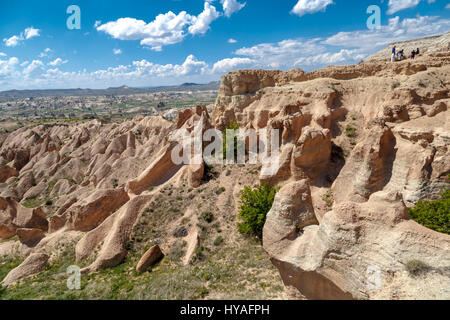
33	264
291	212
7	214
369	168
7	172
25	183
13	216
31	218
21	158
195	174
30	237
86	214
152	256
113	235
312	153
35	191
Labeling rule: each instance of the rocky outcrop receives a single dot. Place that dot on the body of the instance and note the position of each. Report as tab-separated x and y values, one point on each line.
14	216
30	237
33	264
153	255
369	168
337	259
112	235
88	213
7	172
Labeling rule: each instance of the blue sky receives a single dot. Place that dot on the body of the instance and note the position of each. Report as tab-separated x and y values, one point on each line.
162	42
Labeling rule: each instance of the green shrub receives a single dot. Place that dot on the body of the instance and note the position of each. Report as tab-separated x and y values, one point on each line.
395	85
416	267
434	215
350	131
254	206
207	216
218	241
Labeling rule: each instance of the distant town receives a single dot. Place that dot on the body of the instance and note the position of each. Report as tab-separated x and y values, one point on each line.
31	107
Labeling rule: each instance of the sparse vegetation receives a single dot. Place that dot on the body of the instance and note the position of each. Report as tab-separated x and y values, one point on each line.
422	84
207	216
218	241
220	190
328	198
395	85
434	215
350	131
417	267
177	250
254	206
33	203
51	185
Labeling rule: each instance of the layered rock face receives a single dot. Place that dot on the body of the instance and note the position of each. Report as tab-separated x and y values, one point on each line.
358	145
377	113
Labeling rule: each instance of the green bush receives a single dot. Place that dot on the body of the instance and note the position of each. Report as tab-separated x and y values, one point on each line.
350	131
254	206
207	216
434	215
417	267
218	241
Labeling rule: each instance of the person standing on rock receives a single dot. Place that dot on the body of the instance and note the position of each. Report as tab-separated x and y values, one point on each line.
393	57
393	50
417	52
413	54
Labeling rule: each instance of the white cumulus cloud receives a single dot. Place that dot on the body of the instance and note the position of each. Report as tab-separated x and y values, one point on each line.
169	28
202	22
310	6
57	62
117	51
166	29
229	64
398	5
8	66
231	6
28	33
31	32
45	53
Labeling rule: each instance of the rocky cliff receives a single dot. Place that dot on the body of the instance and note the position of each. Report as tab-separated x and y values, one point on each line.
359	144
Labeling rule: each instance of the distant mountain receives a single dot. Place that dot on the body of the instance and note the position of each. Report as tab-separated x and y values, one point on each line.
123	90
